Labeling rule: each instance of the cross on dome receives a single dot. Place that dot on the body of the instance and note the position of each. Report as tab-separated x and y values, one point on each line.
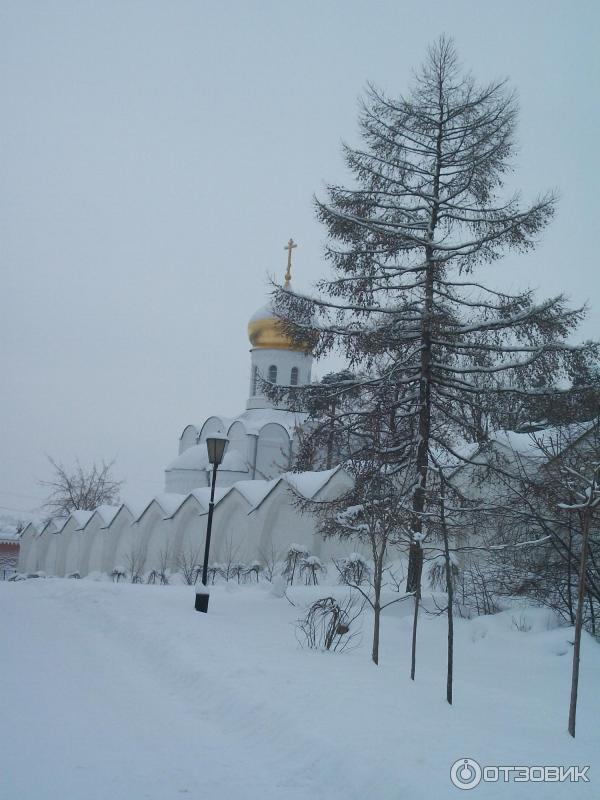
288	275
265	329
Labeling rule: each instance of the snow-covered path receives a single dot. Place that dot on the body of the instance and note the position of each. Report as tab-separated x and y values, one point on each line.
120	691
93	723
98	709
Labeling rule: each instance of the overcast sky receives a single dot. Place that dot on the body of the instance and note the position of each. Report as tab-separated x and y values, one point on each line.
156	157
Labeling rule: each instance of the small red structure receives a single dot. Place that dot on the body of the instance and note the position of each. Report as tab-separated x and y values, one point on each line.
9	554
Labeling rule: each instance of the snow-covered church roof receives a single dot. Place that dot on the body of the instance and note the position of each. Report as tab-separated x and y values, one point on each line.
196	457
253	420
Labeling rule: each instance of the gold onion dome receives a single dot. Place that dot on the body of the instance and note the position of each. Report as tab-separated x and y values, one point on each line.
265	329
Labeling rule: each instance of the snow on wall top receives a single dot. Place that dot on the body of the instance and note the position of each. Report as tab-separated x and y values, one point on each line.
308	484
255	491
106	514
80	516
168	502
202	495
532	445
133	510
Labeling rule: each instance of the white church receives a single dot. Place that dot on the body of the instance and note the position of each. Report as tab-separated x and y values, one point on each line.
255	519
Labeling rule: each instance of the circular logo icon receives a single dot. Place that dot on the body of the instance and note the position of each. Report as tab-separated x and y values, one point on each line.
465	773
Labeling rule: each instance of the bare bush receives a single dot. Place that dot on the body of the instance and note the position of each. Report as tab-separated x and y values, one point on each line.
475	590
188	567
270	559
311	567
353	570
255	569
329	624
436	573
164	561
230	552
294	557
238	570
135	562
118	573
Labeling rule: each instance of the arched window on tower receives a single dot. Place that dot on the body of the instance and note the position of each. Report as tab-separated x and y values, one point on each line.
294	377
273	373
254	386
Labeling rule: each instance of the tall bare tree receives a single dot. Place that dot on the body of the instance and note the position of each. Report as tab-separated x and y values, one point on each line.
82	487
374	514
553	495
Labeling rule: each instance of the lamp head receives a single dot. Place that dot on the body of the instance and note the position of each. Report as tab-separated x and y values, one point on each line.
216	446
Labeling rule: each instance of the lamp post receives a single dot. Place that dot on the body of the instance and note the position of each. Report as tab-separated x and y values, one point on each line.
216	446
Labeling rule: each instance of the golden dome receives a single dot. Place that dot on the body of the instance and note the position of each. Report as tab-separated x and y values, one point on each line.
265	330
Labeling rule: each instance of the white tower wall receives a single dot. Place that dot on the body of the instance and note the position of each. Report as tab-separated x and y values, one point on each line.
262	359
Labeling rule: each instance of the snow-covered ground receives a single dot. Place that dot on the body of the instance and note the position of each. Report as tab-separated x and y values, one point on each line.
125	692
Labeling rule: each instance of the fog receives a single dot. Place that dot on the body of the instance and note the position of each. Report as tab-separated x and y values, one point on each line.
157	156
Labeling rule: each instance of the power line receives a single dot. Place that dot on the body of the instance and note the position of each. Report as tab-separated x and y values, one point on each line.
21	494
22	510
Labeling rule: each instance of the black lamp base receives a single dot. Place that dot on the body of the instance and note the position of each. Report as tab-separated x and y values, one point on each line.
202	599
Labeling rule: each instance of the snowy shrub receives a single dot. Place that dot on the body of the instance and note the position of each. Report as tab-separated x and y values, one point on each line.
521	623
118	574
310	568
187	566
329	624
74	575
238	570
255	569
213	571
135	562
270	560
294	556
474	592
436	572
158	576
353	570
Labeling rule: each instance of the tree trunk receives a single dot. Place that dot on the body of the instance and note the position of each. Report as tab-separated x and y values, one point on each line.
450	591
570	580
413	658
424	425
377	615
330	436
579	621
377	581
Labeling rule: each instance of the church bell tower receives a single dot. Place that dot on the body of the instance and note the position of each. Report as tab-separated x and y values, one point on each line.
273	356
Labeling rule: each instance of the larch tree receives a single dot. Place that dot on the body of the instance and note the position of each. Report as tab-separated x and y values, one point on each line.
409	241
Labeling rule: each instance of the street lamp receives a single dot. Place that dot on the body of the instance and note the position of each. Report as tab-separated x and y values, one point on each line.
216	446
